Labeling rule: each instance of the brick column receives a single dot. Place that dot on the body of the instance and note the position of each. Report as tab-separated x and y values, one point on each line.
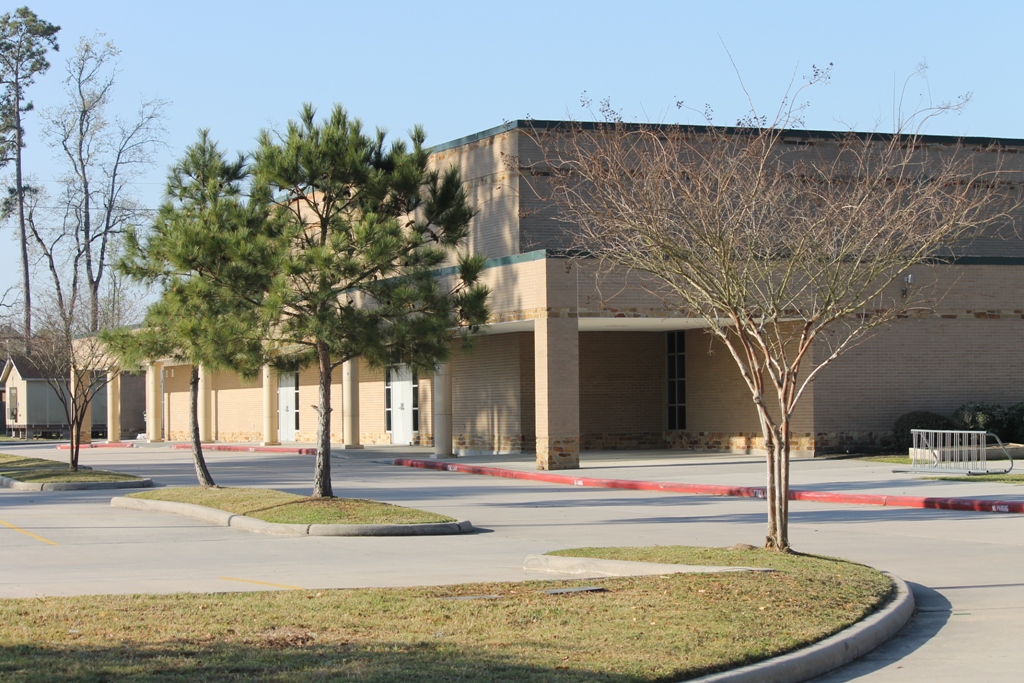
155	402
350	403
205	405
443	411
113	407
557	371
80	385
270	418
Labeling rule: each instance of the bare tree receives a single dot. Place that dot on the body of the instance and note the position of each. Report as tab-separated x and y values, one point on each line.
102	156
76	366
782	244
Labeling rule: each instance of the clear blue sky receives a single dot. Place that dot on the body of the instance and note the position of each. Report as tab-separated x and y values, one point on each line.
462	67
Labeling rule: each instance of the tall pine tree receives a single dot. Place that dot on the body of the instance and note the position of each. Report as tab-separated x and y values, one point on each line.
365	225
24	41
205	236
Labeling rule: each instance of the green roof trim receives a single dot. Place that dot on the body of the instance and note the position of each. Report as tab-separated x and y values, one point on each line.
498	262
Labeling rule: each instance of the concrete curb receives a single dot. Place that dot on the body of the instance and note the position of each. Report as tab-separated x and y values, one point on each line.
591	567
883	500
231	448
223	518
831	653
75	485
116	444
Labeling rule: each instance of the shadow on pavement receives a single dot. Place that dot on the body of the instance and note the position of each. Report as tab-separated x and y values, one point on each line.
933	611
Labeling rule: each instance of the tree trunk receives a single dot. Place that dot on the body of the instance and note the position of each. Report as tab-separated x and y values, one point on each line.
322	477
778	489
77	418
202	473
23	234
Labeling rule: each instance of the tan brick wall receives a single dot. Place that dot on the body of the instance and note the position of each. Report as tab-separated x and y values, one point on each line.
493	190
622	389
176	402
932	364
371	405
236	409
487	388
719	408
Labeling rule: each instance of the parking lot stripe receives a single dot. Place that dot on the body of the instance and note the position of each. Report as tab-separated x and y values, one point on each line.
27	533
261	583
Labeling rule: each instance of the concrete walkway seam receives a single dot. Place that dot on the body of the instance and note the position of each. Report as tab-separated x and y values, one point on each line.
959	504
831	653
75	485
259	526
594	568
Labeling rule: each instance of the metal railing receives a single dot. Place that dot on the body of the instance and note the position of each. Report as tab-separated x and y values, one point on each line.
953	452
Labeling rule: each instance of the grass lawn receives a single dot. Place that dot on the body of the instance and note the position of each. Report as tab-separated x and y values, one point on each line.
894	459
1010	478
42	471
288	508
639	629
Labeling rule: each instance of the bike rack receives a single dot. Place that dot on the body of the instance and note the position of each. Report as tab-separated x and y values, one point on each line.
953	452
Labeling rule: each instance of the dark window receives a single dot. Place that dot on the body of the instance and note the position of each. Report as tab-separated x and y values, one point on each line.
676	372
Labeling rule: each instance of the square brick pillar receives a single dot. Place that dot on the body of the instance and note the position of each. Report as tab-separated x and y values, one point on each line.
204	405
270	424
155	402
113	407
557	375
350	404
443	411
81	404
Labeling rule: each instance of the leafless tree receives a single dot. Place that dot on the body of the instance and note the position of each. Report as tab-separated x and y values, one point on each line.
76	366
102	156
790	248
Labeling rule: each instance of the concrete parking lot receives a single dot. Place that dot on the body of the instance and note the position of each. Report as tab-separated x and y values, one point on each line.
965	567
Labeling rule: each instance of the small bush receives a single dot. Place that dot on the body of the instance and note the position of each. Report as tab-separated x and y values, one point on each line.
1014	426
919	419
988	417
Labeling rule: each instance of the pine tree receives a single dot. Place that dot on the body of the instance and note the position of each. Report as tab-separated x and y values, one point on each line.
204	231
365	225
24	41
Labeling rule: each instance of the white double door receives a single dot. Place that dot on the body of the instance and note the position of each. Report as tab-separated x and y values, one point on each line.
287	405
402	404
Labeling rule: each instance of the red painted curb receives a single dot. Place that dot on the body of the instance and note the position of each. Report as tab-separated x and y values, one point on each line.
120	444
248	449
962	504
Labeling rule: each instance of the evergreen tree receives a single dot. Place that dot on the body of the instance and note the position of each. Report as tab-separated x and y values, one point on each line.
205	235
24	41
364	228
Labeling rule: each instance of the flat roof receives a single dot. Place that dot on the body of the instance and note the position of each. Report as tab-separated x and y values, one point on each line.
790	133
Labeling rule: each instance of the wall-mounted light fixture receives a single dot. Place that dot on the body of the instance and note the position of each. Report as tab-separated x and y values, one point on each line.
907	281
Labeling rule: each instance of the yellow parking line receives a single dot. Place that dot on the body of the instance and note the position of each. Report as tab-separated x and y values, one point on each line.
27	533
261	583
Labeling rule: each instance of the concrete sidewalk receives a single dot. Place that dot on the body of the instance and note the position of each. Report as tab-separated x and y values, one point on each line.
965	567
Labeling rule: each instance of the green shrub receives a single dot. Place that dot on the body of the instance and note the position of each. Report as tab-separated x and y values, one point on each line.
1014	427
919	419
981	416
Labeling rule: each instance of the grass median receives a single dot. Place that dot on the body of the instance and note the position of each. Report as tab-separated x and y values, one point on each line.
636	630
1008	478
43	471
289	508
